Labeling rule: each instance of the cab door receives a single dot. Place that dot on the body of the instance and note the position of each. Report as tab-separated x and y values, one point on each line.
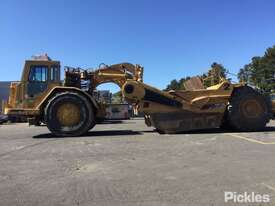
38	80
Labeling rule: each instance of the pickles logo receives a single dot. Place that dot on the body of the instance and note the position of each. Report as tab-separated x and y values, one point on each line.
246	197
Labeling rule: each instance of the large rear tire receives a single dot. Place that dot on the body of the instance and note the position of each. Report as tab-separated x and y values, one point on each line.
69	114
248	110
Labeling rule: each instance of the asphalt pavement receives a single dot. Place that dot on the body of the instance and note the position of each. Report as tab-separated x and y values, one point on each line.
128	163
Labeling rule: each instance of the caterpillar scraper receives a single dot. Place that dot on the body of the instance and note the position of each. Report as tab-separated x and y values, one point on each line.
70	108
230	106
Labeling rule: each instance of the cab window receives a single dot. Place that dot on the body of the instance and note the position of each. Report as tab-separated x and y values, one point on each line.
38	74
55	73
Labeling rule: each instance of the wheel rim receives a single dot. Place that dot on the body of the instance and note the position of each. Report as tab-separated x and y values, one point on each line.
252	108
68	114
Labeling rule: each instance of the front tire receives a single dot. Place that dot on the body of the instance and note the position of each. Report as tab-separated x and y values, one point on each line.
69	114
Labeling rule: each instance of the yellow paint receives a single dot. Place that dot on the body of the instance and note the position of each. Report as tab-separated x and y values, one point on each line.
269	187
68	114
251	140
88	168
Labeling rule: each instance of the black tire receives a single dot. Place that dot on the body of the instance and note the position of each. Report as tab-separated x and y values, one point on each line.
78	121
248	110
161	132
225	125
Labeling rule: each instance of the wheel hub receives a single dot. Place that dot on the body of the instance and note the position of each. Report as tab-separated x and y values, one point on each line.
68	114
251	108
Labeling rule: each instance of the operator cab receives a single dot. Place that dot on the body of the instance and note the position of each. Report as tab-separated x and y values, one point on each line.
40	74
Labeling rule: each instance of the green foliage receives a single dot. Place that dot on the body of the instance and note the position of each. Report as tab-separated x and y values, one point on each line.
177	84
260	71
117	98
214	75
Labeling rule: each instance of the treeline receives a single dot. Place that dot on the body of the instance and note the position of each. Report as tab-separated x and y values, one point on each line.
260	72
212	77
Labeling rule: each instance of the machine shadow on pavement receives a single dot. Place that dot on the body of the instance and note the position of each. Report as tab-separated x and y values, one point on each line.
217	130
106	133
114	122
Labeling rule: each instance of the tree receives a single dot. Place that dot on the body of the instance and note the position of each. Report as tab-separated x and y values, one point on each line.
117	98
176	84
244	74
214	75
260	71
